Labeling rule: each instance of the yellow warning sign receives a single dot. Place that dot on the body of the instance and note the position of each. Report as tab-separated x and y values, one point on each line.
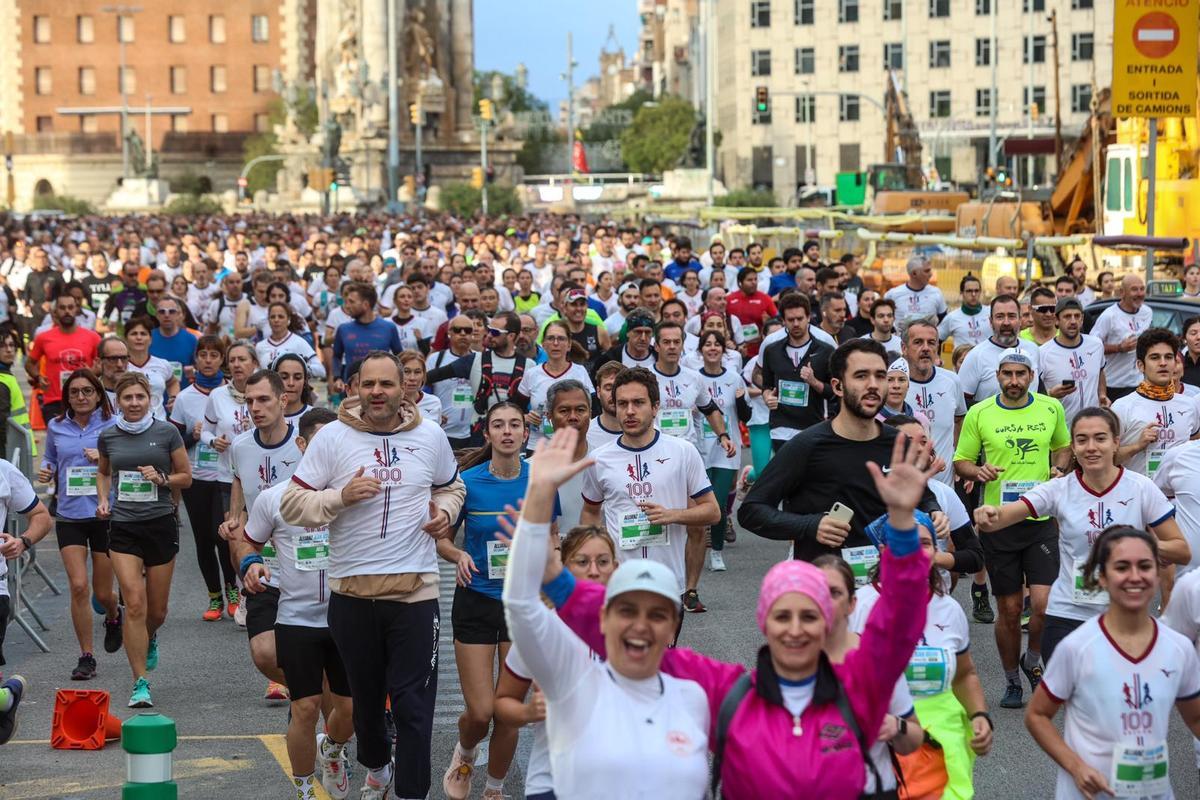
1154	58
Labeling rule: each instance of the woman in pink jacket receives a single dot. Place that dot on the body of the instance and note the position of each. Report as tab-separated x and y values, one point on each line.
798	725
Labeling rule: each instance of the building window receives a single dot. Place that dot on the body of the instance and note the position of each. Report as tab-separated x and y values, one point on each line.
759	117
939	53
176	30
85	29
983	8
1083	45
805	14
41	30
1077	5
216	79
260	28
45	124
87	80
893	55
893	9
848	108
983	102
806	108
1038	6
803	168
1081	98
220	123
1035	50
43	83
1038	99
760	63
126	80
89	123
179	123
178	80
262	78
848	58
760	13
125	29
847	10
261	123
806	60
939	9
848	157
939	104
216	29
983	52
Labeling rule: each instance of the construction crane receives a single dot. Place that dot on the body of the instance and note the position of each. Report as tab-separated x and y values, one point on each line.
902	143
1081	171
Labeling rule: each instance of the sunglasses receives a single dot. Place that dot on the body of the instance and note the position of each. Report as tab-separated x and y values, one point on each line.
1044	309
466	331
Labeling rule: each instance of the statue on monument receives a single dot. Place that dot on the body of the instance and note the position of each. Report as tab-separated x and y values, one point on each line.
418	46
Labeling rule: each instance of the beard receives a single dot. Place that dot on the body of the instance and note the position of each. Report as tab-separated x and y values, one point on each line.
857	404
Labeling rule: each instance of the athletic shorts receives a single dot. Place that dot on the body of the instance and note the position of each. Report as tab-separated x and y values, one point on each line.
89	533
4	608
306	655
1025	554
261	610
477	618
154	541
1054	631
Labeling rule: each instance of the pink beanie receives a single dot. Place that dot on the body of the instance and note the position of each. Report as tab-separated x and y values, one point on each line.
794	576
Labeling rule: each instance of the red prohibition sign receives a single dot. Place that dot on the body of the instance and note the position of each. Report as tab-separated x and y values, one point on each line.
1156	35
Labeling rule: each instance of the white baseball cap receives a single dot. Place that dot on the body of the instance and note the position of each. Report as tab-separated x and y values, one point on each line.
899	365
1017	356
642	575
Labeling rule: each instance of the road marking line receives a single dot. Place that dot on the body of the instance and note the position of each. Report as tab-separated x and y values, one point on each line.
58	787
215	737
276	744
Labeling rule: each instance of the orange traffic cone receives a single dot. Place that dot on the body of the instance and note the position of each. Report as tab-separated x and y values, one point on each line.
36	422
82	720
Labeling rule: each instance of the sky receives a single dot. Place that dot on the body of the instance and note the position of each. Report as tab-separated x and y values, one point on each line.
508	32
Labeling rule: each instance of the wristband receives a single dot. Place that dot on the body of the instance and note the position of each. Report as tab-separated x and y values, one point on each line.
723	436
560	589
986	716
253	558
29	544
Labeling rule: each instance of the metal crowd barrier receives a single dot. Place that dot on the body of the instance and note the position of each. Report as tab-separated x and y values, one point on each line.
19	454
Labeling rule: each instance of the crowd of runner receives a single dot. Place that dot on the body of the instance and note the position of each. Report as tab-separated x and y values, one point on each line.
572	415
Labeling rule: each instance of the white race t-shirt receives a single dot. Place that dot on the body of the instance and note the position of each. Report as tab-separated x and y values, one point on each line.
913	303
978	373
722	389
1178	418
1176	476
16	497
598	435
667	472
965	328
414	331
301	558
187	411
1113	326
1118	707
382	534
1083	363
268	350
159	372
535	383
456	395
941	400
678	397
258	467
224	417
1082	515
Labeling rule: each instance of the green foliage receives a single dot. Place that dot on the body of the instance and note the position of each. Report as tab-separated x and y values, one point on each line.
464	200
611	123
515	99
194	205
540	143
747	198
63	202
263	144
658	136
191	183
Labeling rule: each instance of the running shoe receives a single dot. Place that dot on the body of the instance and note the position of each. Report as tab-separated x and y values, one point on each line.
1025	614
85	670
730	531
275	691
456	783
744	483
141	695
152	654
691	602
335	771
1034	676
1013	697
8	719
215	608
374	791
113	634
982	608
99	609
716	561
234	606
494	794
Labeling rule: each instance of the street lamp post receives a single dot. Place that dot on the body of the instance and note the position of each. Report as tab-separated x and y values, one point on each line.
122	11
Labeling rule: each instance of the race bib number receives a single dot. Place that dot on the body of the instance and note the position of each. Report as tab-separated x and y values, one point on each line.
312	551
638	531
176	370
132	487
1084	596
706	430
81	481
1011	491
1154	460
675	421
749	332
793	393
270	559
462	397
927	671
1139	771
861	560
207	456
497	560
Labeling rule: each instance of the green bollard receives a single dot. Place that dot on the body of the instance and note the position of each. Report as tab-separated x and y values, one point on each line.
148	740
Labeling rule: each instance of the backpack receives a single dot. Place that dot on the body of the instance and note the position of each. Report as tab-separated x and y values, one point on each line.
487	384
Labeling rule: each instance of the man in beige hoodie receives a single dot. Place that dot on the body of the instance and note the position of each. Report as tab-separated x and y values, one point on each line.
385	482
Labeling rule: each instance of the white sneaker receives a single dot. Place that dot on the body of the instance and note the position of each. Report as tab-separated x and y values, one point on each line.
239	616
373	791
335	772
456	783
716	561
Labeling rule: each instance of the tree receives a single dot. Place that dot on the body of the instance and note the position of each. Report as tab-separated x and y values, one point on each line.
516	98
262	144
464	201
611	122
658	136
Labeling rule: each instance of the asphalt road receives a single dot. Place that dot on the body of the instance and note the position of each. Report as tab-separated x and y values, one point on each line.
231	740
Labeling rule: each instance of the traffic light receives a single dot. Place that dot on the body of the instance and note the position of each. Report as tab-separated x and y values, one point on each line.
486	110
476	177
414	112
762	100
410	185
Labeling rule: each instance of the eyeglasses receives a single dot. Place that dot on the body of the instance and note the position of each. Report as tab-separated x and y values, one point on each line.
82	391
1044	309
601	562
168	311
554	339
496	332
466	331
114	358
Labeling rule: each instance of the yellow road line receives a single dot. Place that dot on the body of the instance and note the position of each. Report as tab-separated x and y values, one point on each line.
276	744
58	787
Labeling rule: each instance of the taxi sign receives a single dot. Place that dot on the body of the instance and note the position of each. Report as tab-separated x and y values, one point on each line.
1154	58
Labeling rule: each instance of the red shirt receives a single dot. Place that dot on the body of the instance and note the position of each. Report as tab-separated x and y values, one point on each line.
751	309
63	353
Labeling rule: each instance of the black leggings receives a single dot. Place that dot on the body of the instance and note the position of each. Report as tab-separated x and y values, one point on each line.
206	503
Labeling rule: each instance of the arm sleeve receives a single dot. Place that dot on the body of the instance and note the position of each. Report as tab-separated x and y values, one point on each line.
744	411
968	550
783	477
